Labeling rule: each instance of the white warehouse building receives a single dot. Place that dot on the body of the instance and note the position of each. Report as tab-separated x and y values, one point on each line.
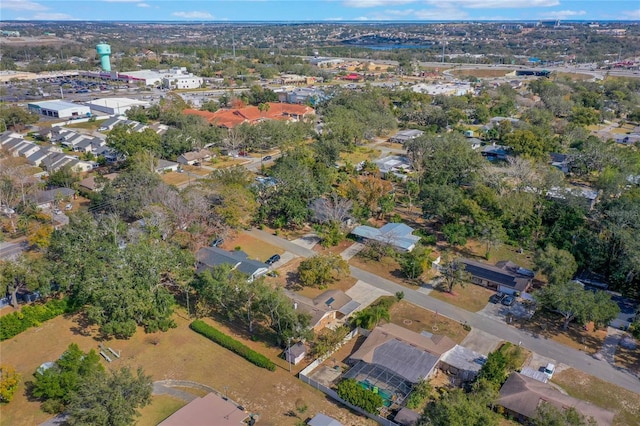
115	106
60	109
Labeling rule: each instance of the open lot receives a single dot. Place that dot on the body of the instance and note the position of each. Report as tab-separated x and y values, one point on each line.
360	154
417	319
196	170
255	249
387	268
549	325
225	162
161	407
180	354
471	297
624	403
481	73
175	178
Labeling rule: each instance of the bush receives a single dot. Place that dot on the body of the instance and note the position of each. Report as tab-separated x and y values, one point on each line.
419	395
31	316
233	345
353	393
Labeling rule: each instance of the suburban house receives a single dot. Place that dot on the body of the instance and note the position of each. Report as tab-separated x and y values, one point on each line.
192	157
166	166
46	199
209	410
325	308
213	256
393	359
582	195
397	165
560	161
295	353
323	420
462	364
397	235
405	135
505	276
495	152
521	396
230	118
90	184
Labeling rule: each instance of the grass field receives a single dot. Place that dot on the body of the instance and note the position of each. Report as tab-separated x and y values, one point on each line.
481	73
88	125
388	268
360	154
624	403
415	318
255	249
161	407
471	297
175	178
179	354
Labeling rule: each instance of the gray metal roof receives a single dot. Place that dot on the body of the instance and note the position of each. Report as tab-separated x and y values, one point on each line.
407	361
323	420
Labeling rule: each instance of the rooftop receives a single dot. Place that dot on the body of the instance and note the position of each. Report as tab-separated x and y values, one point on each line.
210	410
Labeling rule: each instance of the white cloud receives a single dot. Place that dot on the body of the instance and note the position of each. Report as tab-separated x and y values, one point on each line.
632	14
375	3
193	15
492	4
339	18
52	17
143	5
22	5
562	14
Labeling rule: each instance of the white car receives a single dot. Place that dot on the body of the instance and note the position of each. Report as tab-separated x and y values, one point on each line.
68	206
549	370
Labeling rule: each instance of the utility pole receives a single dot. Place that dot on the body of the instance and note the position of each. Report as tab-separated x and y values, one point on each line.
443	45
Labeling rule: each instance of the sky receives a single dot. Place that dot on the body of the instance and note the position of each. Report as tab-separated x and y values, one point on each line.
318	10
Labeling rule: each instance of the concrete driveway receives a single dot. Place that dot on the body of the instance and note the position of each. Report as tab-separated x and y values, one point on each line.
365	294
481	342
307	241
285	258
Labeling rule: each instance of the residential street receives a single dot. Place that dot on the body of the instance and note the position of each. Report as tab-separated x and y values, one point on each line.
545	347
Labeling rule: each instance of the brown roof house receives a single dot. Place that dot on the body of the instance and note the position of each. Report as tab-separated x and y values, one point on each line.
210	410
192	157
504	276
325	308
393	359
521	396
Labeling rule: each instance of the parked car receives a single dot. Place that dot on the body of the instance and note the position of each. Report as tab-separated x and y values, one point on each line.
549	369
266	158
68	206
273	259
497	298
217	242
508	300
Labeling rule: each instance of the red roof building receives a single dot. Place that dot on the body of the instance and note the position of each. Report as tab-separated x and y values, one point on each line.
230	118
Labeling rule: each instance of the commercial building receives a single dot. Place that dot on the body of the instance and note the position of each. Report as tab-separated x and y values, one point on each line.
115	106
60	109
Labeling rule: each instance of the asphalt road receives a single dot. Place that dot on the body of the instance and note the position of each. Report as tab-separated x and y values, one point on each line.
540	345
8	250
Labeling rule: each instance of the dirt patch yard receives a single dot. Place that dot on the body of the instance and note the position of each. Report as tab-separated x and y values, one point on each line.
180	354
624	403
175	178
417	319
481	73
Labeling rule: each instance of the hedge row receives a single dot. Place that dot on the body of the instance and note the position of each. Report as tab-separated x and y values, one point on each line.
233	345
30	316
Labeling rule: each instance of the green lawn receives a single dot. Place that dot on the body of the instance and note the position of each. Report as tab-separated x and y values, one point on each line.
161	407
360	154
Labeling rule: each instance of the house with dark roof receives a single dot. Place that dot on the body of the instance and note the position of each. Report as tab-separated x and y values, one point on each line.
213	256
521	396
45	199
504	276
397	235
329	306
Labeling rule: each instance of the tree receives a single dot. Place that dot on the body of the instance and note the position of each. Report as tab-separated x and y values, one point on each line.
16	118
24	274
56	385
320	270
549	415
109	399
351	391
9	381
574	302
414	263
454	273
458	408
557	265
129	142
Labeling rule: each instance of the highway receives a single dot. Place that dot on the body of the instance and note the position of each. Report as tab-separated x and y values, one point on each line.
538	344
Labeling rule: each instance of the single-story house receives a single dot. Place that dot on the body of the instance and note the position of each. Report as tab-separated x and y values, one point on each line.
90	184
323	420
495	152
521	396
295	353
505	276
464	364
408	355
325	308
405	135
397	235
209	410
45	199
398	165
560	161
195	156
585	196
166	166
213	256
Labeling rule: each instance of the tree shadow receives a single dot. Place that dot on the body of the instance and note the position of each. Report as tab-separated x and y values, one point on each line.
292	281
